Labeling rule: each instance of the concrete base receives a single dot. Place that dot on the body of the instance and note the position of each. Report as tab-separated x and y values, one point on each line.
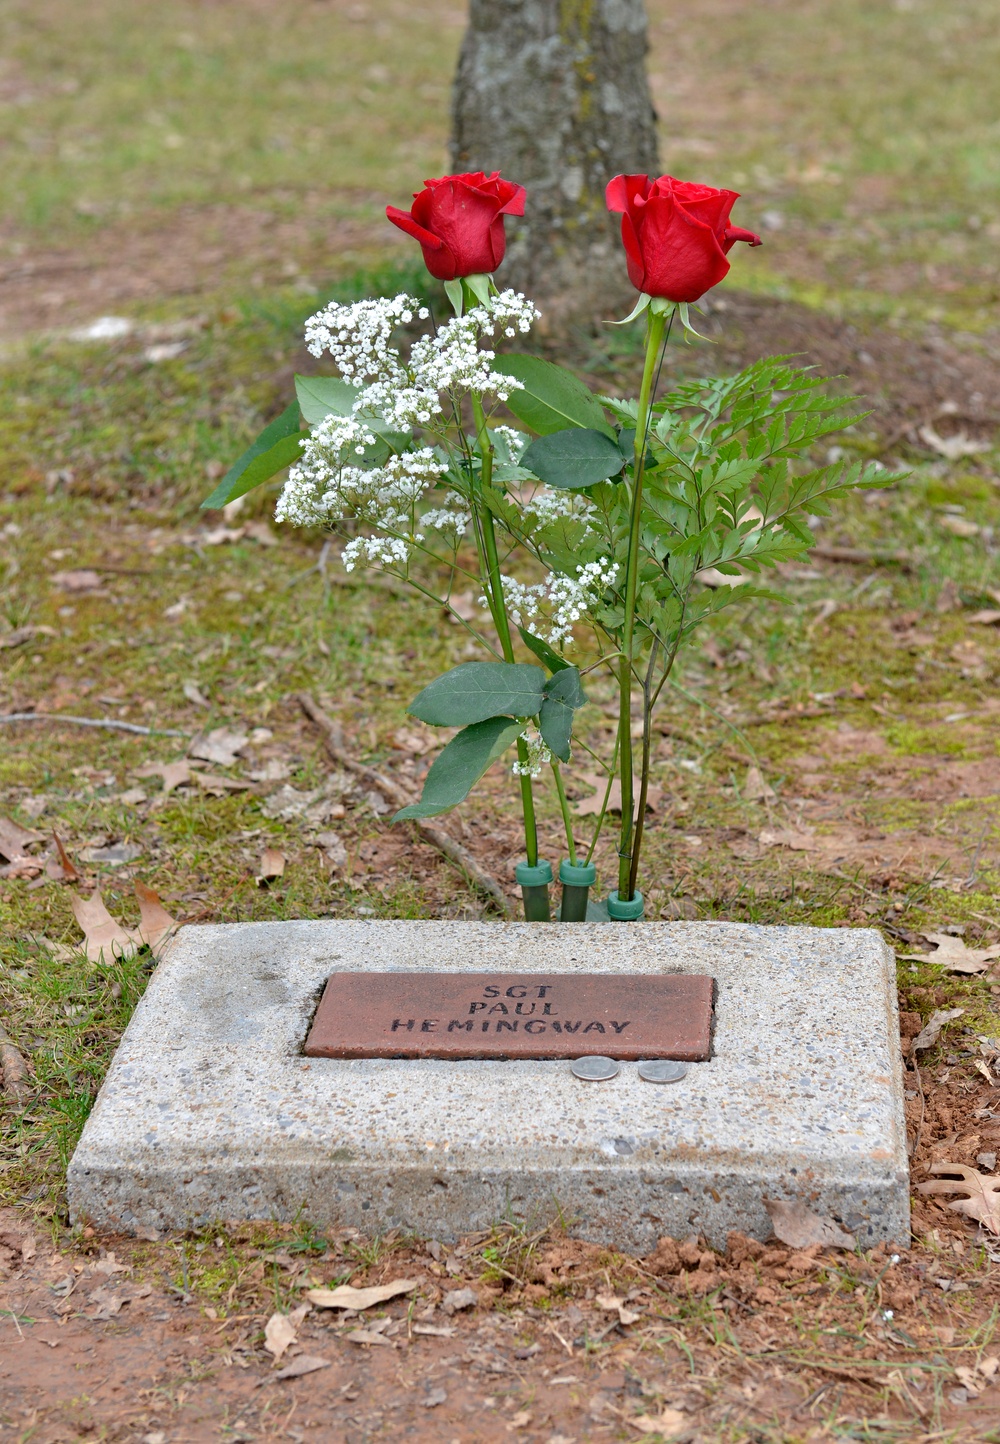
210	1111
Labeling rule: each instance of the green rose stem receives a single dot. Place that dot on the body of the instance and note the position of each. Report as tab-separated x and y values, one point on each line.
564	809
498	609
656	326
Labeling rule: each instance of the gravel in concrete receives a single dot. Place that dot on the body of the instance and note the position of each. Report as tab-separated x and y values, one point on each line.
211	1112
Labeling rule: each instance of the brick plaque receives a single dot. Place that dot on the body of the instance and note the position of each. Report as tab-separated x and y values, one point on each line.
525	1015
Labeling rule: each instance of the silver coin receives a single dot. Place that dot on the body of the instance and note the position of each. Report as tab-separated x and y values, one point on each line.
662	1070
595	1069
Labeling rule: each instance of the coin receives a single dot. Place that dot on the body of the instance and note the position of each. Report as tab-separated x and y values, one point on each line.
595	1069
662	1070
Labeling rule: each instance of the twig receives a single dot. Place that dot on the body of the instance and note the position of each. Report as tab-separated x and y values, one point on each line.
110	722
429	831
920	1090
974	866
15	1070
858	555
767	721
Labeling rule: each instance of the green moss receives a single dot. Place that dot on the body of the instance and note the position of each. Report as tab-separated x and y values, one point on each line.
910	740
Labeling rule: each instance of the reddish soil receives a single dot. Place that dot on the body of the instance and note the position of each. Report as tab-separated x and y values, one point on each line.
101	1338
192	252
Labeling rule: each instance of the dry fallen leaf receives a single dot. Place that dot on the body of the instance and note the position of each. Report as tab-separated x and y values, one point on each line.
194	694
109	1303
217	786
796	839
15	840
64	870
592	805
987	618
669	1423
220	746
20	635
459	1299
931	1031
952	954
953	448
368	1336
983	1201
81	580
799	1227
155	923
272	866
755	789
611	1304
174	774
103	937
345	1297
260	532
436	1331
304	1364
281	1330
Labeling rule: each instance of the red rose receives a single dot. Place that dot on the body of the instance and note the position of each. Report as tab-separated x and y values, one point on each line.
458	221
676	234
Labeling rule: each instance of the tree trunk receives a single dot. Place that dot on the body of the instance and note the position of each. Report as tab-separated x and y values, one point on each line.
554	95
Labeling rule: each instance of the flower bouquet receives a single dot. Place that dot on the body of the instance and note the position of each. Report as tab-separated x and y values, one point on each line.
583	521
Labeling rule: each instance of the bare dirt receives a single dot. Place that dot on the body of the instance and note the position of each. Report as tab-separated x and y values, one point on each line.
178	259
559	1340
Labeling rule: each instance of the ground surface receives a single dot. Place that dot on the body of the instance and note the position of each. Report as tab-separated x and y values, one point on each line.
209	176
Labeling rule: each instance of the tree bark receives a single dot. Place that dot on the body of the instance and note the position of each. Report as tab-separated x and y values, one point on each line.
554	95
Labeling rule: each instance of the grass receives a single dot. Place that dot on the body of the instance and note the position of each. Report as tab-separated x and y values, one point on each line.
140	441
109	115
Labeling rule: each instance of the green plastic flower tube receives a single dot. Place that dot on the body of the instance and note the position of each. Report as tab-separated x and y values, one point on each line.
534	885
621	911
577	881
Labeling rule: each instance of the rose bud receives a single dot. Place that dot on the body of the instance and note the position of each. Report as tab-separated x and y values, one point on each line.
458	221
676	234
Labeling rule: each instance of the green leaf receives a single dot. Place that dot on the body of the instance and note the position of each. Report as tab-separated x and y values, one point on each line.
572	460
276	447
457	769
543	651
478	690
551	397
322	396
456	295
479	284
563	694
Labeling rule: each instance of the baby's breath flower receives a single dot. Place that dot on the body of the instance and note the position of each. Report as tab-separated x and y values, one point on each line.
548	505
515	440
572	598
537	758
374	551
522	601
442	519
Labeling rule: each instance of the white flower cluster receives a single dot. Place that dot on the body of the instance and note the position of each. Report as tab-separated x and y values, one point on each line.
566	600
548	505
522	602
516	441
572	598
406	394
538	755
374	551
441	519
327	485
358	336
